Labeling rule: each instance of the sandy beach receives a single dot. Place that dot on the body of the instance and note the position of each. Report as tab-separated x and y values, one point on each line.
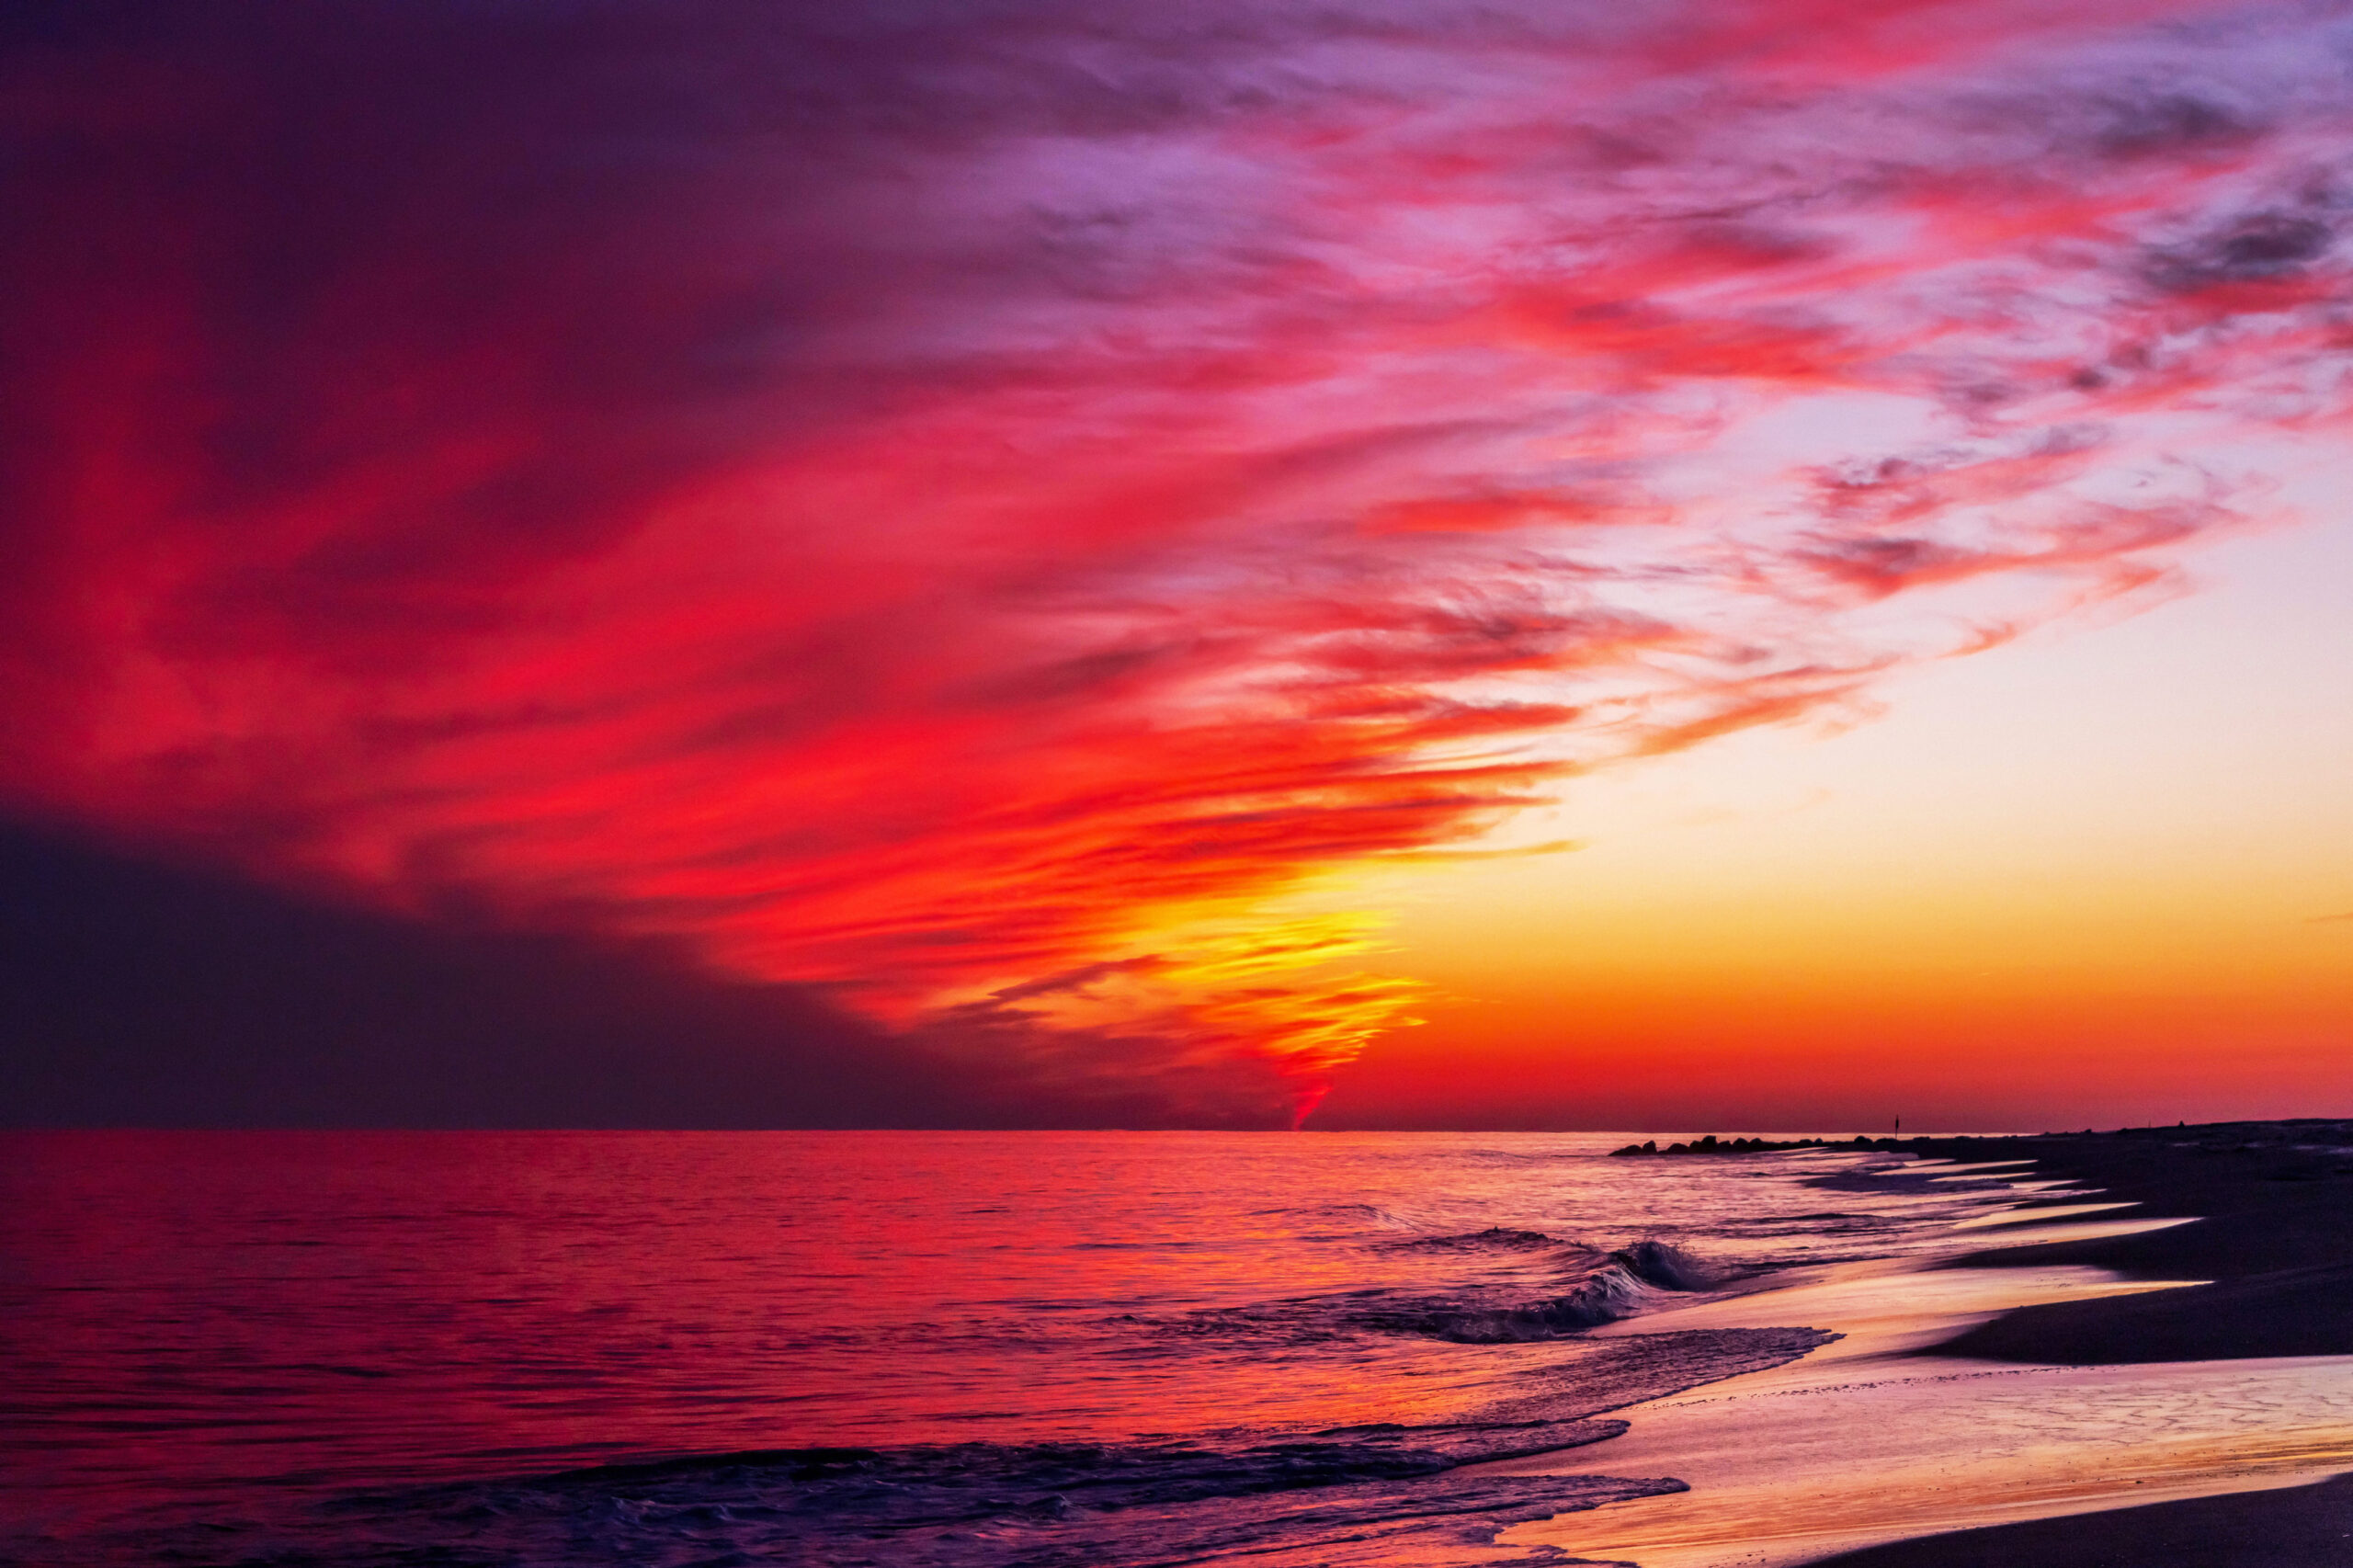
2274	1236
2154	1368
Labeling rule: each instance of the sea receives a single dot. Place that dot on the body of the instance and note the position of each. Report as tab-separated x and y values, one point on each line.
903	1349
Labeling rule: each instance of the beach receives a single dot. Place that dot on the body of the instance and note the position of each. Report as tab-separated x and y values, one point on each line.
2156	1369
2274	1234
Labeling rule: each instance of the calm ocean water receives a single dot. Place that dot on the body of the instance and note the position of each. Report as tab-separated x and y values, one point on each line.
894	1347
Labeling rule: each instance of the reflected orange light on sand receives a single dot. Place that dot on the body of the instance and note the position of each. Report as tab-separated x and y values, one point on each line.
1774	1458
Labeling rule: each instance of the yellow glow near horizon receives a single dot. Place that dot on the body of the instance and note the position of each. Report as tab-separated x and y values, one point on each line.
2096	865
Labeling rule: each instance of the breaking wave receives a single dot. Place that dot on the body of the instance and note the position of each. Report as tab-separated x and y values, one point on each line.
1632	1282
1292	1498
1495	1238
1613	1286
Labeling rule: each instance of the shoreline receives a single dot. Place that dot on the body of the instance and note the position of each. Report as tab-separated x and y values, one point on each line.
2269	1225
2158	1308
2268	1213
1911	1435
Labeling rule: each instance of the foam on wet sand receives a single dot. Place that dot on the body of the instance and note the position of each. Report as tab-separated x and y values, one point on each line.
1877	1438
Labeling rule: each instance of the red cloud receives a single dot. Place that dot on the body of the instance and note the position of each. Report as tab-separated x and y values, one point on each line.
962	511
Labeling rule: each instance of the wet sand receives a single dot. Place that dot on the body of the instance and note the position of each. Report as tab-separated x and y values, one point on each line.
2310	1525
2275	1237
2273	1230
2062	1401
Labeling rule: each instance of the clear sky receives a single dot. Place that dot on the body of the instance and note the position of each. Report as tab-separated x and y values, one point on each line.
1747	563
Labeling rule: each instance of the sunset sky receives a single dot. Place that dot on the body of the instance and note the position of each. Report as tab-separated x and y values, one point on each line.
1769	564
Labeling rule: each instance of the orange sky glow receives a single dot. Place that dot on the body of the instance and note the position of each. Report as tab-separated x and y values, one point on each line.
1755	565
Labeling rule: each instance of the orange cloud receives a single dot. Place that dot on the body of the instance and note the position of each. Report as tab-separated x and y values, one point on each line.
963	513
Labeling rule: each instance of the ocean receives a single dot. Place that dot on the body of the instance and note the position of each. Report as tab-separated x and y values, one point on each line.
903	1349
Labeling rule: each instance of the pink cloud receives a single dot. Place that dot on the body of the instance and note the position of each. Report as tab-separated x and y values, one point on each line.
951	509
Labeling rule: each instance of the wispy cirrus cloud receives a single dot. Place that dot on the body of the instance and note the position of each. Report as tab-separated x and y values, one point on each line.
964	504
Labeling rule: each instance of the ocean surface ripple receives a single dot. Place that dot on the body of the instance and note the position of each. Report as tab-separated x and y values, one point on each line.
968	1350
